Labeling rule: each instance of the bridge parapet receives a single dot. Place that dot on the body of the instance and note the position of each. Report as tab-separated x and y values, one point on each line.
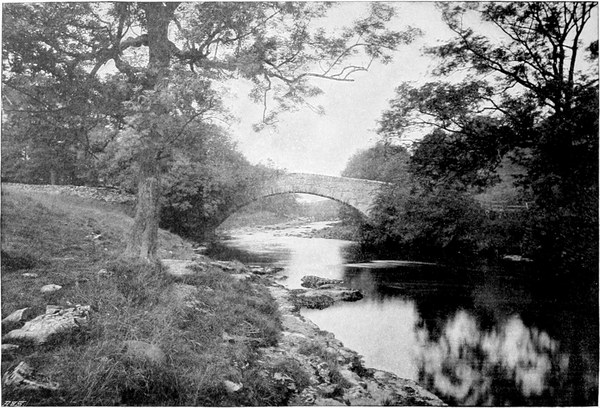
357	193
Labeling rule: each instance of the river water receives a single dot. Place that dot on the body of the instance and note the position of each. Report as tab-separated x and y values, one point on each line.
492	336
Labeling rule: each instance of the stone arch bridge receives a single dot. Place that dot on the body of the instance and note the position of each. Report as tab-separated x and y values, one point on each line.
357	193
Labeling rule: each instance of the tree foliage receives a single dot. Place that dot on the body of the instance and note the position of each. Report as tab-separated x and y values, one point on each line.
198	191
526	93
442	225
382	162
169	61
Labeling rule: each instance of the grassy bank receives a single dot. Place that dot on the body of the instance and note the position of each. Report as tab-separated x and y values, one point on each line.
67	241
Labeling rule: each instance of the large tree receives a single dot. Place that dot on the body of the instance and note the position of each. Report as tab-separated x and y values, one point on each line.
528	91
525	69
50	102
383	162
169	58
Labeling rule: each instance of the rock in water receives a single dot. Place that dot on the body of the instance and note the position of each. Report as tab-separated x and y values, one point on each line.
314	301
316	282
322	288
264	270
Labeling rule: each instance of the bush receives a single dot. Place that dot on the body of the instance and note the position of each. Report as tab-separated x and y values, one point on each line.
440	224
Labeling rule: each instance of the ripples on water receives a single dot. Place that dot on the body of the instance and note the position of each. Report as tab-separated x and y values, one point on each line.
485	337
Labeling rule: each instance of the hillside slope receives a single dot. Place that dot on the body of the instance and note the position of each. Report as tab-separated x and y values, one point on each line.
73	242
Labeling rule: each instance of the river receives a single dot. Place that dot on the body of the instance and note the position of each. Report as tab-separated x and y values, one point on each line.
491	336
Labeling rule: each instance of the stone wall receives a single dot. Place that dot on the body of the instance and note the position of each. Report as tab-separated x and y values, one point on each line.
97	193
357	193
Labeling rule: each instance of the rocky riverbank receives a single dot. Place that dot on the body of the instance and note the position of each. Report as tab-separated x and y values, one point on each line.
335	374
80	328
331	373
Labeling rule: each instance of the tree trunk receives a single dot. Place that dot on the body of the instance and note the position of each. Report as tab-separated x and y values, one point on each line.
142	241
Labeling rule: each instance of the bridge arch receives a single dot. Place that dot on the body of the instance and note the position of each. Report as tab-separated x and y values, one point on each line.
356	193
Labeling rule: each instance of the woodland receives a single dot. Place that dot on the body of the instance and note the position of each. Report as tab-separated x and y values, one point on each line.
129	95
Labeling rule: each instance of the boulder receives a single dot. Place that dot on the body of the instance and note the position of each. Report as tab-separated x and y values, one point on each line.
142	351
55	322
313	301
264	270
18	316
229	266
22	377
316	282
8	349
51	309
346	295
50	288
231	386
323	298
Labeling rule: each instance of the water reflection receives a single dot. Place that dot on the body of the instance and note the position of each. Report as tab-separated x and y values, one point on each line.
250	249
484	337
321	257
299	256
383	332
509	365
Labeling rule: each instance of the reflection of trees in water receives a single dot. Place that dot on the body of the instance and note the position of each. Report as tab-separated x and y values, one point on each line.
497	339
509	365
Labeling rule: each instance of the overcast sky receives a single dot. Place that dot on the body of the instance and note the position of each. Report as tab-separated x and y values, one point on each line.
307	142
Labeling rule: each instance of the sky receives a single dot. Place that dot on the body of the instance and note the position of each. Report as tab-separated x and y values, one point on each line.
304	141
